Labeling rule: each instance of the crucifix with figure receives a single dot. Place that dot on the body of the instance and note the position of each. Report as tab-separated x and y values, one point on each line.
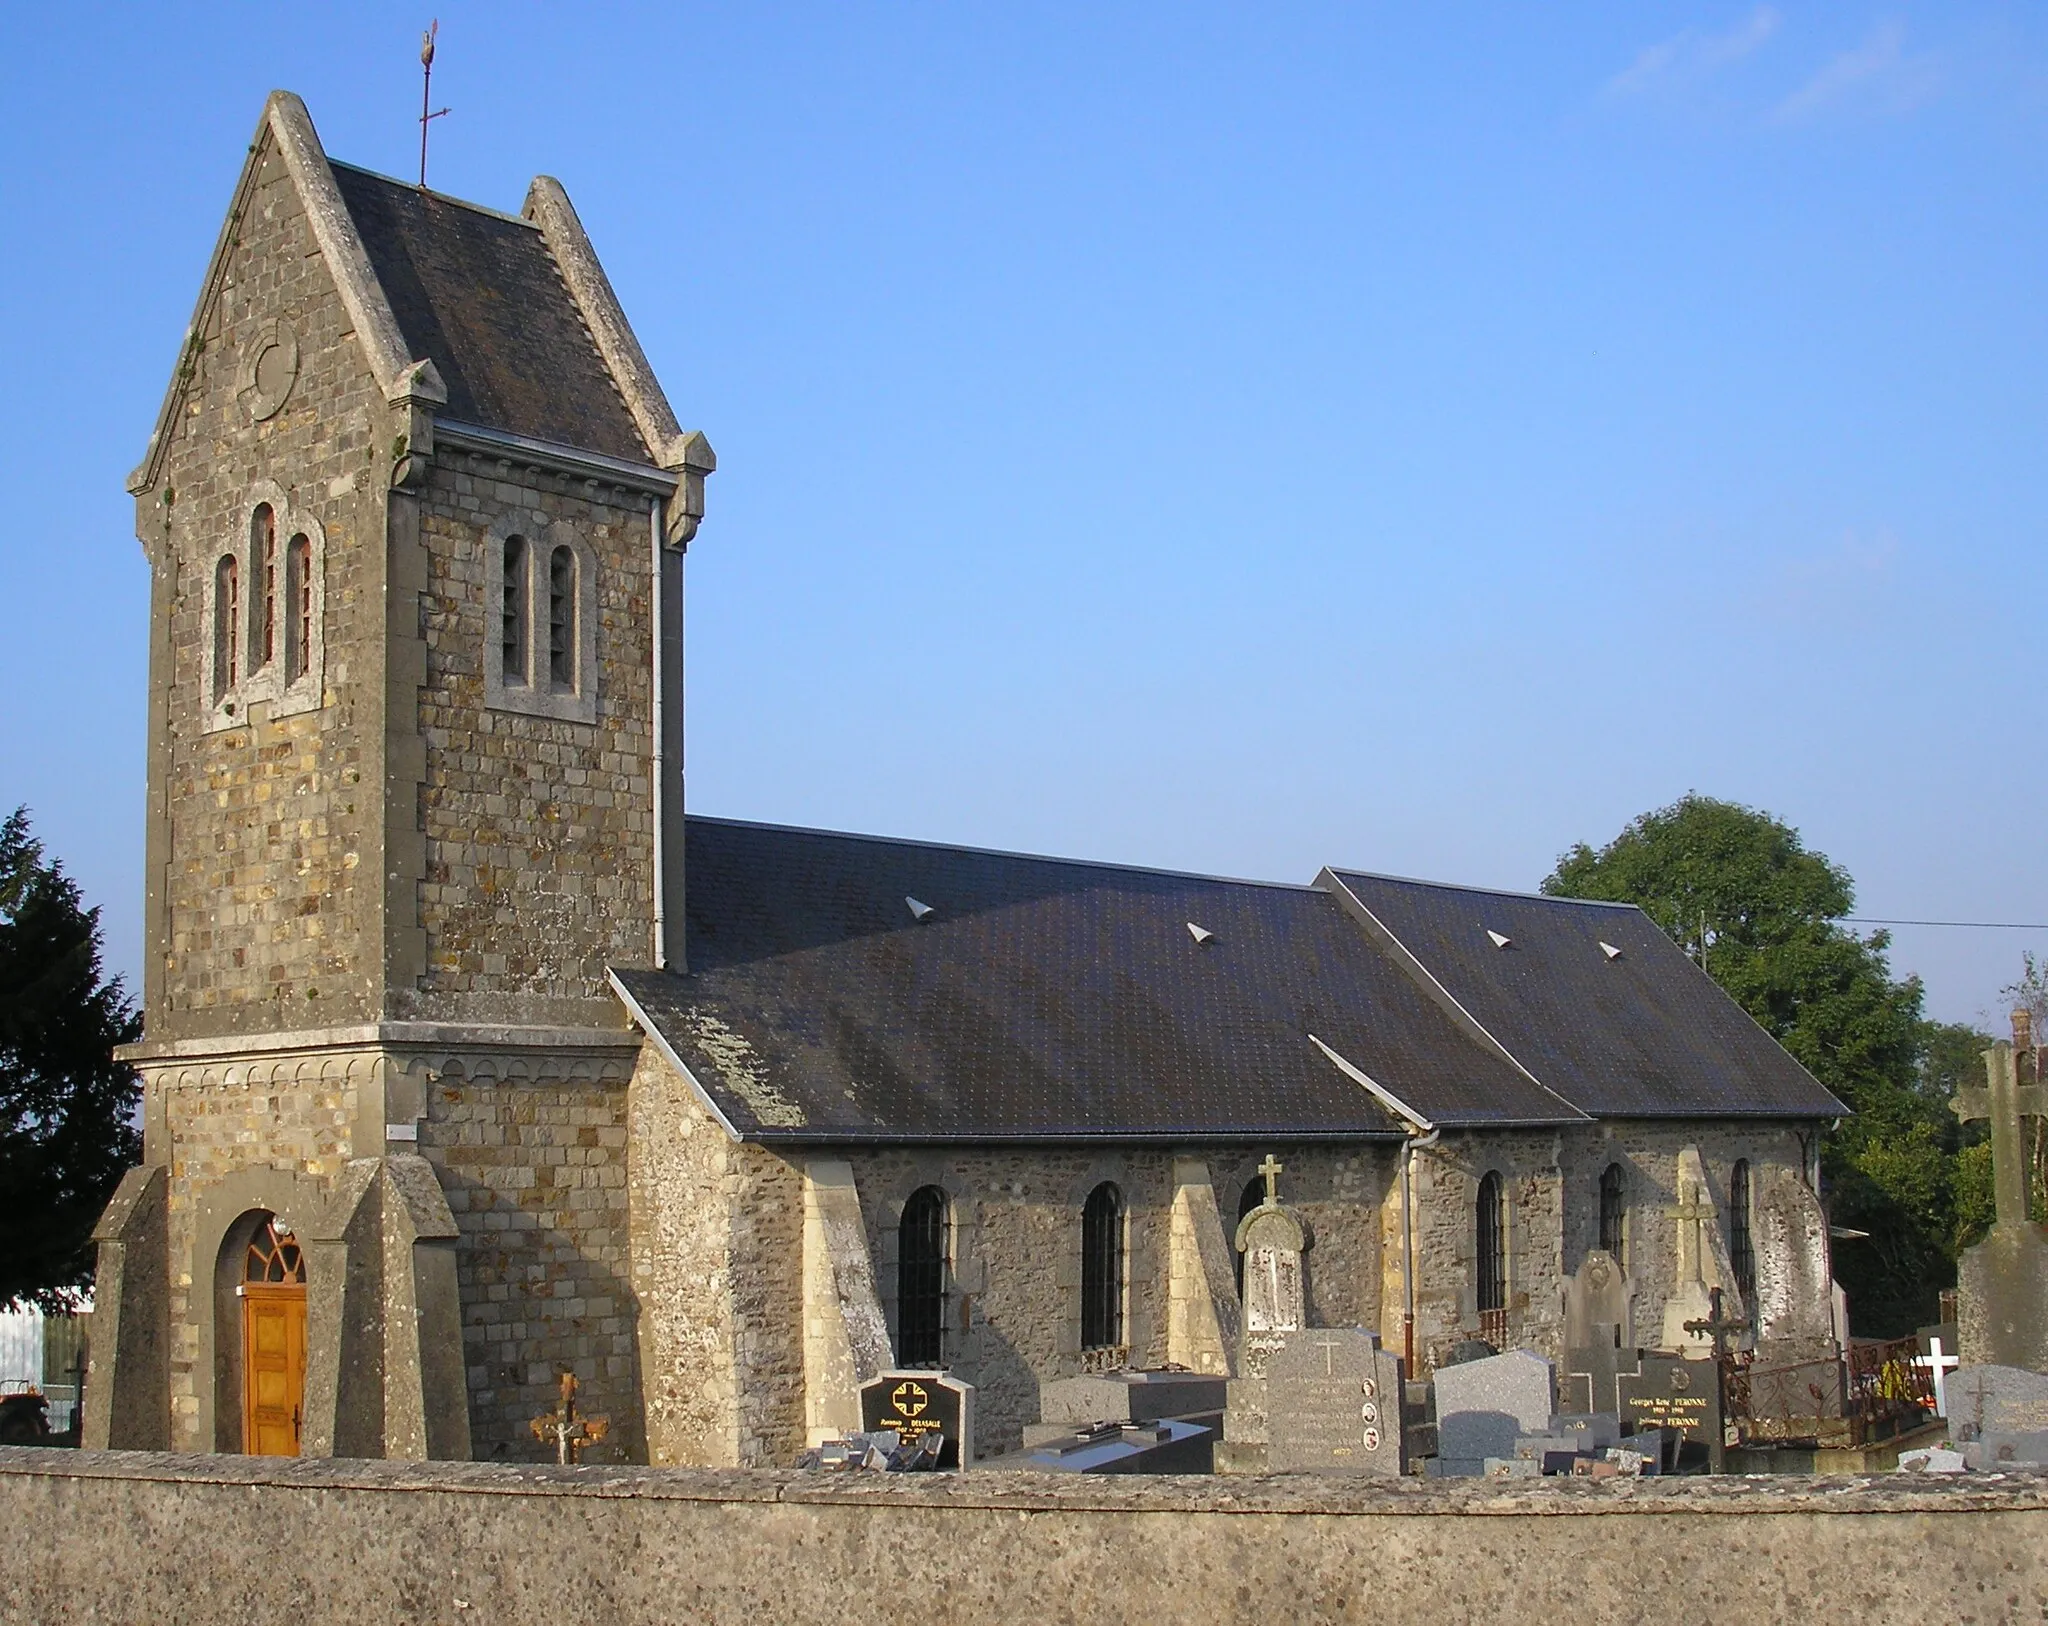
1719	1327
567	1428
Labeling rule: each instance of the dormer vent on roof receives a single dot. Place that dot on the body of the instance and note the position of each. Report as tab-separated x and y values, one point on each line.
919	912
1200	934
1499	940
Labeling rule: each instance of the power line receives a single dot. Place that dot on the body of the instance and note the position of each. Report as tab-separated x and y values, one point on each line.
1976	925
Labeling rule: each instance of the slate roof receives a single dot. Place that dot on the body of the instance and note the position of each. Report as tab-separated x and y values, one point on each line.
1050	1000
479	293
1645	1033
1041	1000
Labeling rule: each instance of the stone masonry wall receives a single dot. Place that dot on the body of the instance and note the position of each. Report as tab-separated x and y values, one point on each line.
717	1261
115	1537
1014	1295
290	1117
1552	1187
531	1153
262	904
539	831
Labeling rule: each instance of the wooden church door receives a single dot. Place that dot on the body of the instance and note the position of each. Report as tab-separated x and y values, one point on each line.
273	1343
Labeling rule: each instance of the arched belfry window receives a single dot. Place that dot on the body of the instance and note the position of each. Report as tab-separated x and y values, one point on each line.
562	621
512	610
263	561
1102	1268
299	597
265	615
921	1279
1492	1254
227	626
1741	1244
1614	1210
541	631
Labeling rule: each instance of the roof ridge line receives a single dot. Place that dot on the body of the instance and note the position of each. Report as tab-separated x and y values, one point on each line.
439	197
1004	852
1488	891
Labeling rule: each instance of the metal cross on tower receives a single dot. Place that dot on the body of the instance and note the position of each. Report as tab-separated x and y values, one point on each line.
2005	1101
427	94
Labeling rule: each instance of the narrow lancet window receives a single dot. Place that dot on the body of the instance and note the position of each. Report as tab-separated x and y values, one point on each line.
1102	1268
921	1279
299	594
1613	1210
514	630
263	548
562	619
1493	1246
227	626
1741	1246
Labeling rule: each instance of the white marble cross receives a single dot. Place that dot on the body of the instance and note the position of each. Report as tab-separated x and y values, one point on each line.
1940	1364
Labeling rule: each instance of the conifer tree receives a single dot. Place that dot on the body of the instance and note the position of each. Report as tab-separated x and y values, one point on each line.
67	1107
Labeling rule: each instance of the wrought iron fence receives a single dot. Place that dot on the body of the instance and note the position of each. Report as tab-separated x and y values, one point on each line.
1871	1392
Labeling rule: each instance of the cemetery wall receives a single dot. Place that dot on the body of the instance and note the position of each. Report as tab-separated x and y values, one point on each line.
118	1537
1015	1293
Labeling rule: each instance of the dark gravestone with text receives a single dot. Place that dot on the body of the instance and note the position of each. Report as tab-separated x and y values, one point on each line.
1669	1393
920	1404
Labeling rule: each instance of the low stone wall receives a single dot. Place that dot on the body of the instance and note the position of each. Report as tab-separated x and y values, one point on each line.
133	1536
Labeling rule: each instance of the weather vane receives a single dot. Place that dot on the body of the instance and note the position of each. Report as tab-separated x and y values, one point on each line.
427	94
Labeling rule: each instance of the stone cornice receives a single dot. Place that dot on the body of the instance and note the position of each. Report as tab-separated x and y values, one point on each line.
456	1036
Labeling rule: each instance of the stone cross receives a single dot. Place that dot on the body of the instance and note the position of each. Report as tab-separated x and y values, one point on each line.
1329	1346
1271	1170
570	1431
2005	1101
1690	1214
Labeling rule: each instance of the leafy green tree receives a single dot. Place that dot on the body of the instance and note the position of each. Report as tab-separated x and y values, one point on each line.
67	1107
1739	891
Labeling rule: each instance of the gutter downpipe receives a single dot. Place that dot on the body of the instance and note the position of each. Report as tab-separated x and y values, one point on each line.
1414	1144
659	764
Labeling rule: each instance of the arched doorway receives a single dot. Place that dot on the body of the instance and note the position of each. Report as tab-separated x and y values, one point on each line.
273	1294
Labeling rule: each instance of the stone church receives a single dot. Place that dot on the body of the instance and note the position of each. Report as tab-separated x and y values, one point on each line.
471	1059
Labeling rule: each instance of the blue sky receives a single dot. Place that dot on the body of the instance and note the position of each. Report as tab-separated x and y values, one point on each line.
1231	438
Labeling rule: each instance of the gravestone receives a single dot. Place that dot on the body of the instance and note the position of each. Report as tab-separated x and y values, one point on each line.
1986	1400
1333	1405
1680	1396
1483	1407
2002	1283
1120	1397
1271	1240
1599	1333
1599	1304
1998	1450
921	1403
